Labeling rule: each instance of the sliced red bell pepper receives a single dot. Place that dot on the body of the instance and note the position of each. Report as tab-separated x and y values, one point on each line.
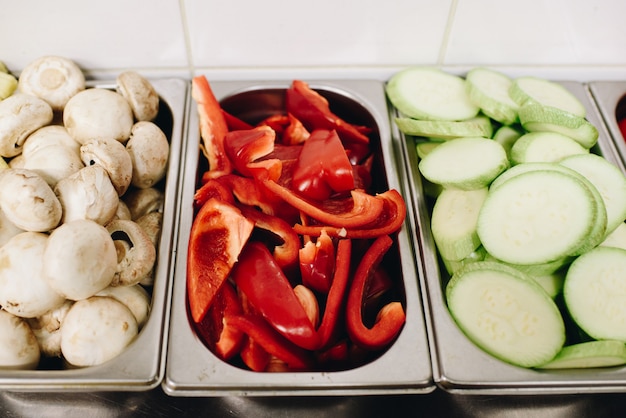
257	328
313	110
323	167
253	354
244	148
234	123
317	263
352	212
307	299
335	301
285	253
295	133
278	123
213	127
268	290
223	340
622	127
218	234
212	189
389	320
251	192
390	220
335	356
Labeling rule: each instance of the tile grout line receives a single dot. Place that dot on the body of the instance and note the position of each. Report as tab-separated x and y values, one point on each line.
446	34
186	37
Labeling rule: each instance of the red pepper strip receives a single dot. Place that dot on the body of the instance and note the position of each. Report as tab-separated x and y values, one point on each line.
234	123
245	147
317	263
213	127
295	133
268	290
313	110
272	342
336	295
277	122
323	167
251	192
252	354
212	188
353	212
218	234
389	221
336	354
224	341
389	320
285	254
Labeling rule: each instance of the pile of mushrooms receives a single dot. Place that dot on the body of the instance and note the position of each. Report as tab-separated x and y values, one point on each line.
80	214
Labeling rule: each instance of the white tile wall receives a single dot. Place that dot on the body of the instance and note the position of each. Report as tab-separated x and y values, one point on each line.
573	39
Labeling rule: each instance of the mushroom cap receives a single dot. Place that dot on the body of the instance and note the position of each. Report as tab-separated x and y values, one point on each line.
47	329
113	157
52	78
97	113
24	291
79	259
149	151
88	194
96	330
140	94
142	201
7	229
28	201
20	115
51	152
136	254
18	346
135	297
152	224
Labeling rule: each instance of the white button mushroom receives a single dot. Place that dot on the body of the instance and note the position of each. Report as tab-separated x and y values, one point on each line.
28	201
142	201
152	224
96	330
7	229
47	329
21	115
113	157
135	253
18	346
97	113
122	211
53	79
79	259
88	194
24	291
52	153
140	94
149	151
135	297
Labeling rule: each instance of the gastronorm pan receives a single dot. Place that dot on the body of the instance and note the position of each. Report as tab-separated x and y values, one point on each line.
193	370
609	97
458	365
140	366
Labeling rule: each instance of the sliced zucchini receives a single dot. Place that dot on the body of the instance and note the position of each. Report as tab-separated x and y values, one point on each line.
537	217
544	147
465	163
425	147
506	136
505	313
608	180
453	222
595	293
617	238
431	94
547	93
489	90
443	129
535	117
589	354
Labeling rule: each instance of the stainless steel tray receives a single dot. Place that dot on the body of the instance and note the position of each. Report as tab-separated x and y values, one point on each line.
458	365
192	370
141	366
607	96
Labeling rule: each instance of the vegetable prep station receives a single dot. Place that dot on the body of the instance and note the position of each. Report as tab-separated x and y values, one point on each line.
430	369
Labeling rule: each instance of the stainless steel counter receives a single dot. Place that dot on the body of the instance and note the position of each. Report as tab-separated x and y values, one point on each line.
436	404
